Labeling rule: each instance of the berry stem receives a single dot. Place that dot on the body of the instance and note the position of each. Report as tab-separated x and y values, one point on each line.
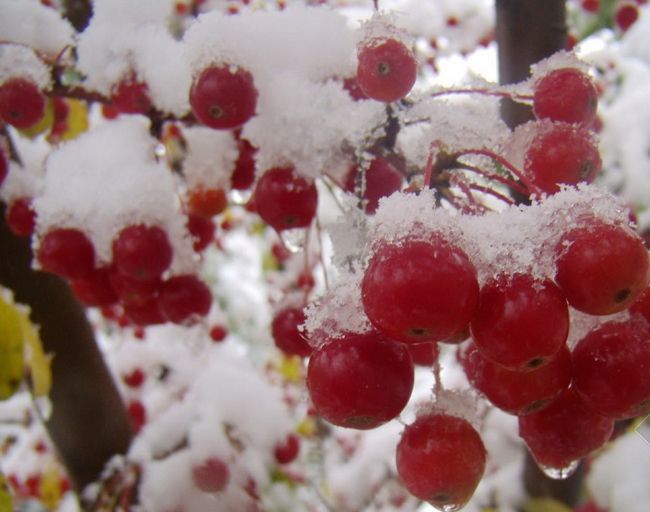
320	254
484	91
495	177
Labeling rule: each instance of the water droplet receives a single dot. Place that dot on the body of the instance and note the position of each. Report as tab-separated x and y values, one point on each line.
449	507
240	196
293	239
560	473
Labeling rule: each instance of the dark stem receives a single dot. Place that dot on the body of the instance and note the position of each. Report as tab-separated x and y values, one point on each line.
78	13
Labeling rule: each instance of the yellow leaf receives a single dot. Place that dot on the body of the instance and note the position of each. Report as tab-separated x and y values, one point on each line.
49	489
77	119
6	500
290	368
307	427
39	363
546	505
12	359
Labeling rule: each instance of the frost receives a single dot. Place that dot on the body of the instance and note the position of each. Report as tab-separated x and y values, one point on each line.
210	159
17	61
558	60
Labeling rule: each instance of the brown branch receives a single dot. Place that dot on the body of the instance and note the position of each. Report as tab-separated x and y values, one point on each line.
78	13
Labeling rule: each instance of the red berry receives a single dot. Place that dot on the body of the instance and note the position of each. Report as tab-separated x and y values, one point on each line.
109	112
611	369
511	325
184	296
95	289
381	179
418	290
20	217
66	252
601	268
565	431
138	415
285	200
360	380
568	95
354	90
285	332
223	97
562	154
142	252
287	450
61	113
441	460
641	306
386	70
424	354
626	15
207	202
591	5
515	392
22	104
243	175
131	97
202	231
218	333
144	312
212	475
4	167
134	379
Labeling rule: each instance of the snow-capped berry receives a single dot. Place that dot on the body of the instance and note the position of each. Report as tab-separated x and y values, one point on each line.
360	380
566	94
387	69
202	231
95	289
565	431
20	217
611	369
285	332
287	450
66	252
211	475
131	97
22	104
626	15
511	325
207	202
441	459
381	179
518	393
284	199
184	296
142	252
223	97
562	154
432	297
601	268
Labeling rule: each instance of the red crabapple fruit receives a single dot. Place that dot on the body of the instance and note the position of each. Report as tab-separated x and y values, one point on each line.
131	97
441	459
22	104
626	15
202	231
285	200
95	289
511	325
21	217
207	202
142	252
67	252
601	268
565	431
184	296
143	312
566	94
243	175
360	380
223	97
287	450
419	290
514	392
381	179
212	475
386	70
285	332
611	369
562	154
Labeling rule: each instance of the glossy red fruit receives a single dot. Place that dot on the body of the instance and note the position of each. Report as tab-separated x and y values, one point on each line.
66	252
4	167
144	312
207	202
612	369
641	306
131	97
590	5
142	252
354	90
387	69
218	333
360	380
202	231
518	393
131	290
562	154
287	450
20	217
441	460
565	431
424	354
223	97
601	268
381	179
511	325
134	379
566	94
138	415
22	104
212	475
285	332
285	200
419	290
243	174
95	289
626	15
184	296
